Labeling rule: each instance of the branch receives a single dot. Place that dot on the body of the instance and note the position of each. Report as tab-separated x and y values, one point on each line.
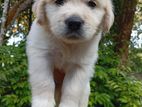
16	10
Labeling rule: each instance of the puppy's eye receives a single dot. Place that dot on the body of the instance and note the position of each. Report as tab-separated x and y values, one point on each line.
59	2
91	4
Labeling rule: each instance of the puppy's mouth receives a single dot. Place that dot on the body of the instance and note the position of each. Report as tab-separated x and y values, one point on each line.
74	35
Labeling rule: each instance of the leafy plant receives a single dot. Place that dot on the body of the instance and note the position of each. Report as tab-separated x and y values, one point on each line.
112	86
14	87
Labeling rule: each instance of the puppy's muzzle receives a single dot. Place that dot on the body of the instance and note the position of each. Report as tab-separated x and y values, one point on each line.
74	23
74	27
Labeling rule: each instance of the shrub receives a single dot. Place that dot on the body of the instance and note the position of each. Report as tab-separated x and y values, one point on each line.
112	86
14	87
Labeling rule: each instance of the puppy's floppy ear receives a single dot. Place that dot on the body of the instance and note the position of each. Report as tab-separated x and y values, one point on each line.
108	17
39	11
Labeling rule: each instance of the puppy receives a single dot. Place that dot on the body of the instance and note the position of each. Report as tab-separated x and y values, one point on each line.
62	49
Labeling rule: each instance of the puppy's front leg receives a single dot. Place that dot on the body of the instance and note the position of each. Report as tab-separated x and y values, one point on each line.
85	96
41	79
76	80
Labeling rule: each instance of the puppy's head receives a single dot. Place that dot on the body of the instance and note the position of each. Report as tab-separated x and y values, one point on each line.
74	20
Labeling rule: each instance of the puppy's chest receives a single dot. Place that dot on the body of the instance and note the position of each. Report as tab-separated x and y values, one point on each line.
59	59
63	59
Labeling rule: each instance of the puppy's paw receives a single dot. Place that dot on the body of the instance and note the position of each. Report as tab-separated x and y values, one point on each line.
43	103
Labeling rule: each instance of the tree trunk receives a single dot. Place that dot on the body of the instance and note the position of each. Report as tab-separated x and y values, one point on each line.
3	21
125	25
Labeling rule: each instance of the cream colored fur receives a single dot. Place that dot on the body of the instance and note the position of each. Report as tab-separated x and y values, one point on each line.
47	48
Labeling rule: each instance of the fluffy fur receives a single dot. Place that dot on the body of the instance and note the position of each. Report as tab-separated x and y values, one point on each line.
60	68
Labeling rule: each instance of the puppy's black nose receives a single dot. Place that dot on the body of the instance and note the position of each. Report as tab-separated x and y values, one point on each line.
74	23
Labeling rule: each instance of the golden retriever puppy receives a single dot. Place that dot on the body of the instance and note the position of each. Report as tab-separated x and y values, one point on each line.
62	49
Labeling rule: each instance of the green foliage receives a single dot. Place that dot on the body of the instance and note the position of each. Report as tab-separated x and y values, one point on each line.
14	87
111	86
135	60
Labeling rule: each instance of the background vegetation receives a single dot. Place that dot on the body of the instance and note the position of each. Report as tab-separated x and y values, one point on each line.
118	73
